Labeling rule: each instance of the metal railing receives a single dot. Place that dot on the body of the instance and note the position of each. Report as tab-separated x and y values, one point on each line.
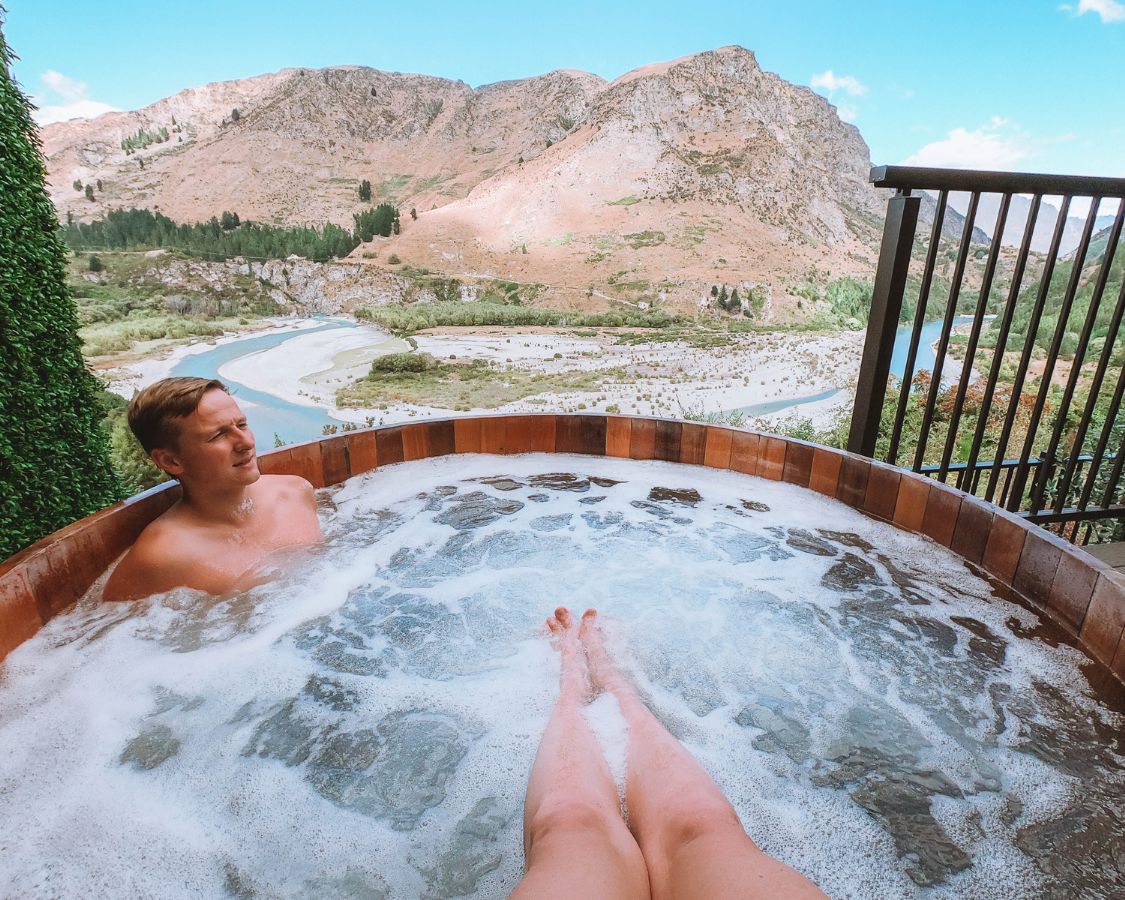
1031	418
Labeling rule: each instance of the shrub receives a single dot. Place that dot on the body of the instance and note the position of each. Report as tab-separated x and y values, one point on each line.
54	462
393	259
89	192
95	263
365	189
235	115
134	467
403	319
403	362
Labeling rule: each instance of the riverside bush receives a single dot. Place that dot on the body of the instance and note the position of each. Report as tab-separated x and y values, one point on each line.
401	319
403	362
54	464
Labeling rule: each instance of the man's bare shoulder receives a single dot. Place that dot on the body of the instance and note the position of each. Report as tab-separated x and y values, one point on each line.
287	490
154	563
287	485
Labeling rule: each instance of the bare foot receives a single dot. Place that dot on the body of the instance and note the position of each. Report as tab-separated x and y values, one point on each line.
573	684
604	675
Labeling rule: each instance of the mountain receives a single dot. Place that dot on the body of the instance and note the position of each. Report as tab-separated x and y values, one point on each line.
953	225
988	209
681	174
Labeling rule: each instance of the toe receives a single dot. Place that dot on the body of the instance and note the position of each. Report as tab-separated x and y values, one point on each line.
564	617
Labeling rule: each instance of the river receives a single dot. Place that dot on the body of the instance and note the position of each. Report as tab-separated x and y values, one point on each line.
267	415
271	416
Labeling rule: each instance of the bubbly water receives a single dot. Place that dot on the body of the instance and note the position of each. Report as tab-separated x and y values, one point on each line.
363	728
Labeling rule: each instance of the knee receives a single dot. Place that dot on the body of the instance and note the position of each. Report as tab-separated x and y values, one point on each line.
697	815
564	817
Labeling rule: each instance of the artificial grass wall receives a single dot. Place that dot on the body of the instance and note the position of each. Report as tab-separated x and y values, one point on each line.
54	466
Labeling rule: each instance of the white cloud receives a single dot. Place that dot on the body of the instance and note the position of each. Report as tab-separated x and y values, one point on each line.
75	104
1109	10
67	88
847	112
831	83
993	146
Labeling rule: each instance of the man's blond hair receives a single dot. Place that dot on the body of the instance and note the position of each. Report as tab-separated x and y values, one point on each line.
153	412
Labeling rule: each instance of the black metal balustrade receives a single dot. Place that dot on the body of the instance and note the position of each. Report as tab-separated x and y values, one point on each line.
1055	433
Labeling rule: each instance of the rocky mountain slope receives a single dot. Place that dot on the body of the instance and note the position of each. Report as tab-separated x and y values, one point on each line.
676	176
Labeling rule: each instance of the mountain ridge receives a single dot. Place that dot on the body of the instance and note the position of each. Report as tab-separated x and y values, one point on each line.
562	176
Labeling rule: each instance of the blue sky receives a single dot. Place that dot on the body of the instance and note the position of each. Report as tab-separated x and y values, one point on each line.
1025	85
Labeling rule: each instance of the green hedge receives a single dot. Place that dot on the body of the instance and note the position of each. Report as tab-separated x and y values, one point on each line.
54	466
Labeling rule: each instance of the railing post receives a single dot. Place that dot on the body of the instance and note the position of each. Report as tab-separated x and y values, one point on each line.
882	324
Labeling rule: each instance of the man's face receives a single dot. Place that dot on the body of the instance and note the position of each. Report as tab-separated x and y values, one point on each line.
216	446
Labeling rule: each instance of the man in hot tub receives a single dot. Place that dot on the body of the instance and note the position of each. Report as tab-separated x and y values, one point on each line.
231	516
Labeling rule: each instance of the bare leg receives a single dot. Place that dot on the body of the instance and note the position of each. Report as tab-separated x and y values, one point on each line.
576	844
690	835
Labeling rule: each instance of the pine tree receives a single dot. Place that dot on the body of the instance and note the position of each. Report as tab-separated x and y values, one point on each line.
365	191
723	297
54	465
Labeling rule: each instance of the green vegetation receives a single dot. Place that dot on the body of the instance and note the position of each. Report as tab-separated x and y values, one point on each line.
402	320
624	201
126	305
418	378
696	413
143	138
390	188
1021	320
381	220
132	465
365	191
644	239
560	241
403	362
141	229
54	465
850	301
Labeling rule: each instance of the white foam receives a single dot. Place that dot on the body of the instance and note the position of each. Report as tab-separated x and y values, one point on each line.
710	617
